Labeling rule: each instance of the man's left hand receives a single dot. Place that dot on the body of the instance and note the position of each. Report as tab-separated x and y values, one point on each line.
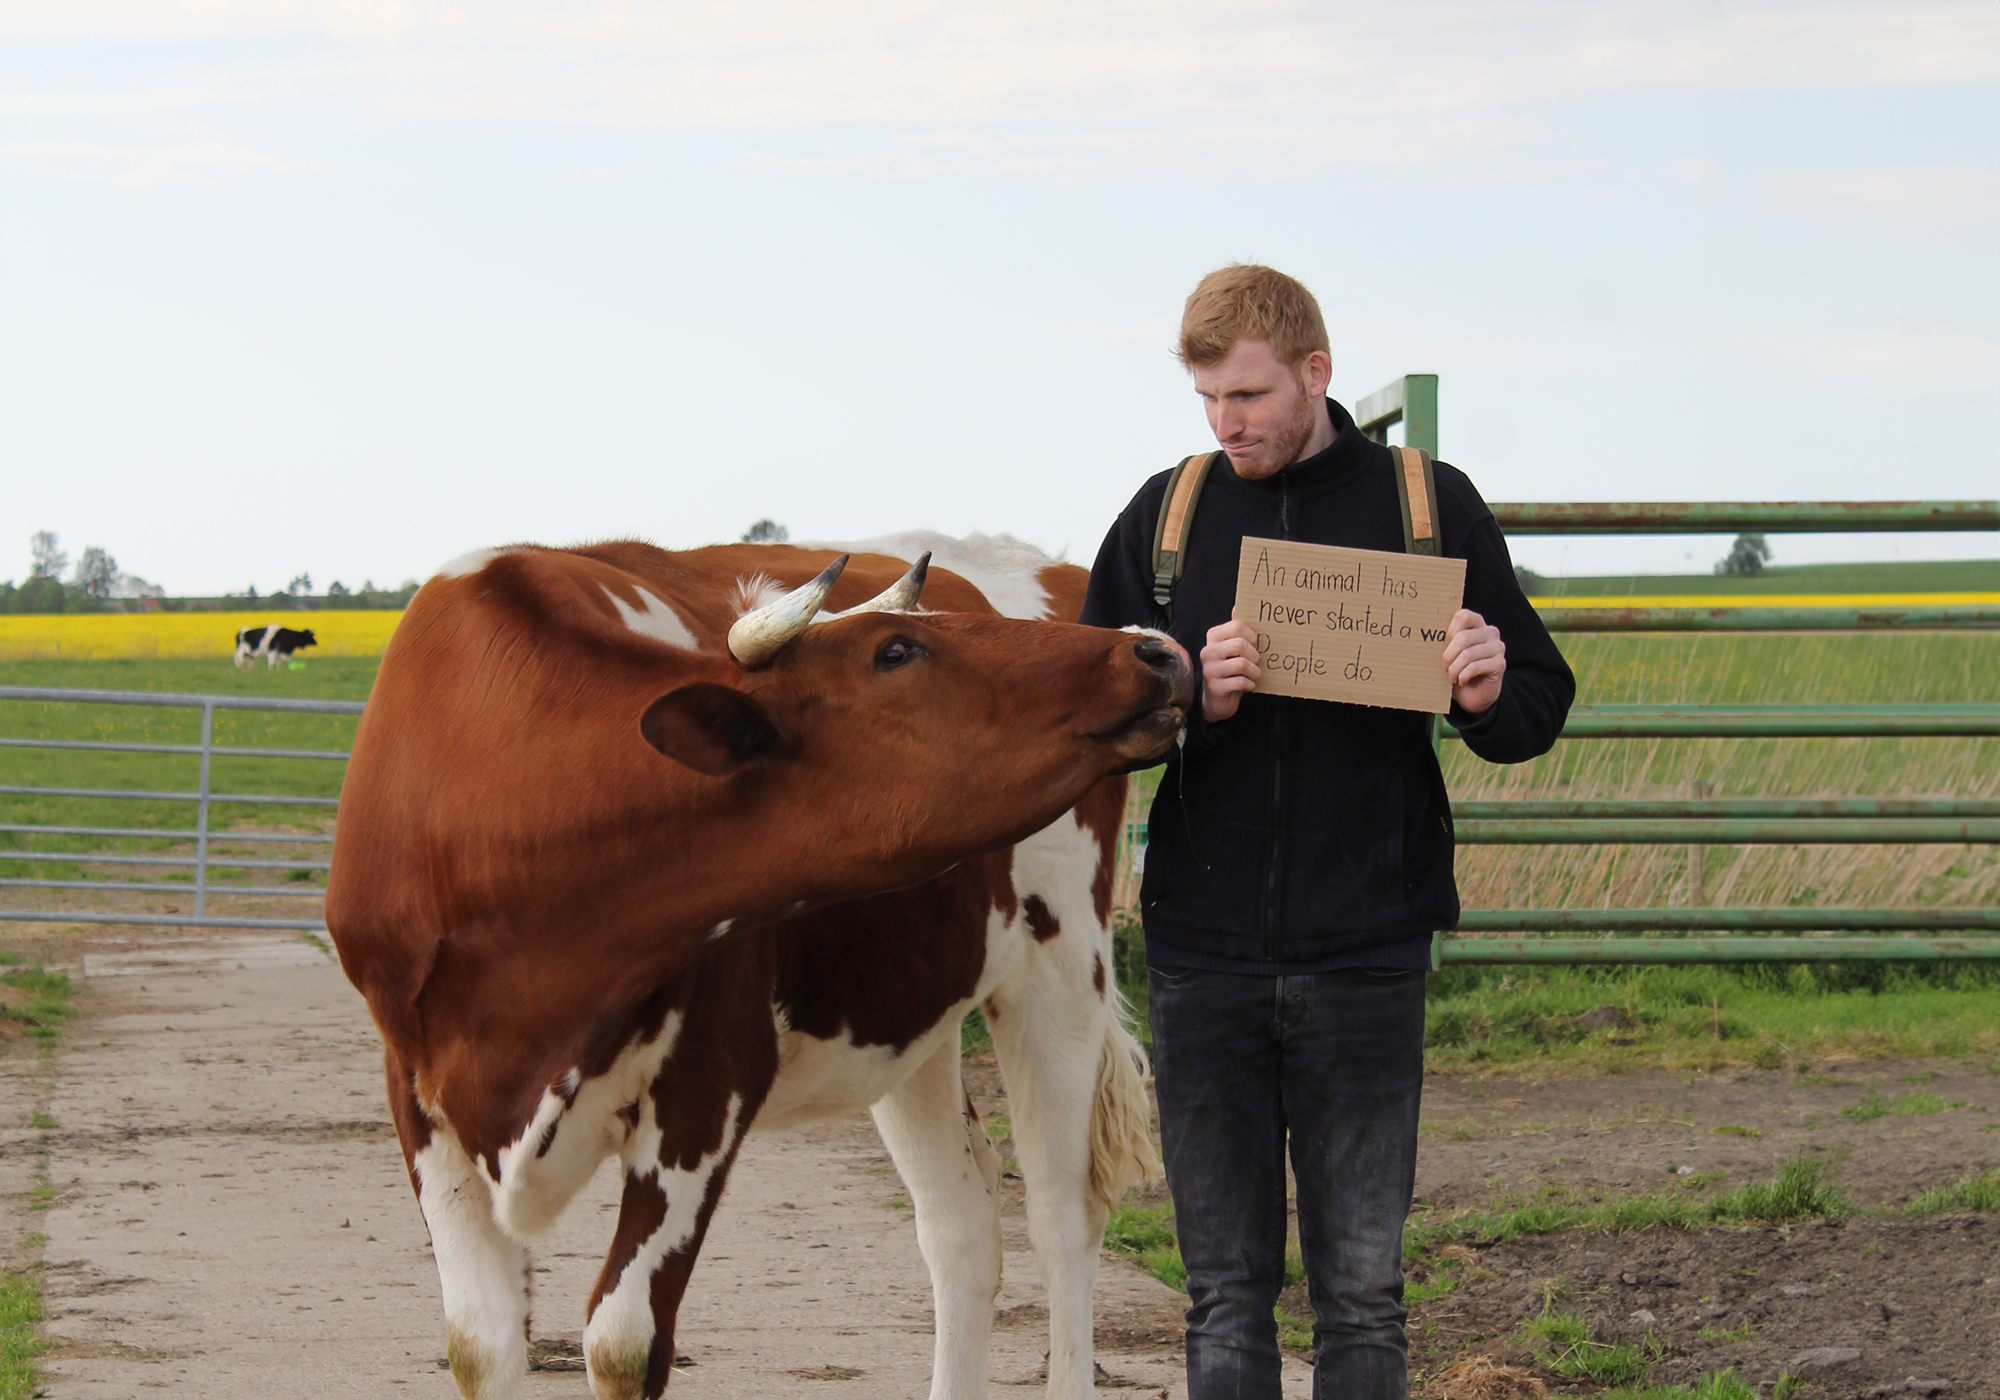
1476	660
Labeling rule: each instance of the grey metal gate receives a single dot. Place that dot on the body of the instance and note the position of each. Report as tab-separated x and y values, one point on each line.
202	798
1413	401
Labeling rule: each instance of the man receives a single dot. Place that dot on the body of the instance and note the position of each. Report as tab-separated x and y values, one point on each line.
1300	858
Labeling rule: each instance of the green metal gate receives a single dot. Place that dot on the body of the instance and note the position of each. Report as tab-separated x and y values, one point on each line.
1783	934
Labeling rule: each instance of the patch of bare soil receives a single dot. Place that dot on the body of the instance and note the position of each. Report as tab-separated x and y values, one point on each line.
1892	1127
1857	1309
1917	1300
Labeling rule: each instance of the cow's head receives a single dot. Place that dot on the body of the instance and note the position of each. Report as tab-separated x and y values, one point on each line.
306	639
898	742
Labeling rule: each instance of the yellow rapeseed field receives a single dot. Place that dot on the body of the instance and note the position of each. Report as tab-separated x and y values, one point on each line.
177	635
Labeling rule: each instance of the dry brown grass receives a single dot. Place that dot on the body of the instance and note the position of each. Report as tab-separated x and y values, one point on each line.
1748	670
1483	1378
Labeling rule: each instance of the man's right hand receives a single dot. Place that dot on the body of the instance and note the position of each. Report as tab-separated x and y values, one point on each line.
1229	669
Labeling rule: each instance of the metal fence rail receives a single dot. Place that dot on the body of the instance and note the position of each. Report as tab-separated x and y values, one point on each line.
203	798
1836	619
1627	951
1732	517
1977	720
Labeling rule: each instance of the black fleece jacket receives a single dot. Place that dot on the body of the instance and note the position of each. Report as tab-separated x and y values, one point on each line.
1298	832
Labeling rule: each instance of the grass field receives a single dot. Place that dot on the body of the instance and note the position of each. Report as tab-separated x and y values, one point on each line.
336	678
1494	1018
1929	576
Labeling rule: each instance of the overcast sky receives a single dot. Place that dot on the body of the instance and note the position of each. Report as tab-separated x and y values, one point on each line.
350	287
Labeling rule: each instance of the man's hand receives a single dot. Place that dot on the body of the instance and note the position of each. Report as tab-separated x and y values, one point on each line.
1229	669
1474	657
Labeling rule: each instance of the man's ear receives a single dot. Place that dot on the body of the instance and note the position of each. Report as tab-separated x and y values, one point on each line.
710	728
1316	373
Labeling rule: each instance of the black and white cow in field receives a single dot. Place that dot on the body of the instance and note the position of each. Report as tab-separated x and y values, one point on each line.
274	644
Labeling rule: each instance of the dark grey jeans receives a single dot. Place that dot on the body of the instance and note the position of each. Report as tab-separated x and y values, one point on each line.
1334	1062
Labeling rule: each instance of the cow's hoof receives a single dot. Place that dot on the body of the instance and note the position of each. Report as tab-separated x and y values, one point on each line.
618	1375
479	1371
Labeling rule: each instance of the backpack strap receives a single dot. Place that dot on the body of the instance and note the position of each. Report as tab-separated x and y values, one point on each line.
1416	493
1170	536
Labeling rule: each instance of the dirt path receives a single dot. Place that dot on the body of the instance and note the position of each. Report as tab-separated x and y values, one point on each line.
233	1218
231	1215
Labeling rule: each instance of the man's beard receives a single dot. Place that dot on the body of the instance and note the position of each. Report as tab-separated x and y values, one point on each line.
1286	444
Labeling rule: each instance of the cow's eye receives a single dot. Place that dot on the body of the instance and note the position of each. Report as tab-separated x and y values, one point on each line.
897	651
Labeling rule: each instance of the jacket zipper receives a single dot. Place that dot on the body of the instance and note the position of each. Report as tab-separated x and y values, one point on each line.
1274	870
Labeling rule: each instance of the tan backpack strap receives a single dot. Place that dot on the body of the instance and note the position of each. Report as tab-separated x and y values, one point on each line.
1416	493
1170	536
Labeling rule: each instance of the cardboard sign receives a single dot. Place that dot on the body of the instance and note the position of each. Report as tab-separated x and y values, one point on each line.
1359	625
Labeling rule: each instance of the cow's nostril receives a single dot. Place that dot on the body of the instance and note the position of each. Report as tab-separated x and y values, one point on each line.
1170	667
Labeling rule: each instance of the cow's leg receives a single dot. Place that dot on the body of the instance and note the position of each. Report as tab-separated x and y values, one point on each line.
1049	1026
953	1174
686	1128
483	1275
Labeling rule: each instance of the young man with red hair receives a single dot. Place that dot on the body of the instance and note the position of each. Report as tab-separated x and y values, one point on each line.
1299	860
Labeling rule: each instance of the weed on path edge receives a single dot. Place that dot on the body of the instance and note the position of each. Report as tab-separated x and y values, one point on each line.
42	1002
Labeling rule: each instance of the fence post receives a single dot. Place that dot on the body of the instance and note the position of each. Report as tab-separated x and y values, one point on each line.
201	812
1697	854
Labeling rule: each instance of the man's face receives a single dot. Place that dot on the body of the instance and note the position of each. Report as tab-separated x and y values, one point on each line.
1261	410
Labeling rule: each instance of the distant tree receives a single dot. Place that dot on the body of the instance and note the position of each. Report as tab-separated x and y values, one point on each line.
300	586
1530	581
766	532
132	586
251	591
336	589
50	559
96	573
1747	557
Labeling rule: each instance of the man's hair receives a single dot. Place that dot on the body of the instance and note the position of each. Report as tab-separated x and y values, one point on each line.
1246	302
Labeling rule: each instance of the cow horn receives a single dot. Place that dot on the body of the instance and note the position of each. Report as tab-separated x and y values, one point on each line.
759	636
902	595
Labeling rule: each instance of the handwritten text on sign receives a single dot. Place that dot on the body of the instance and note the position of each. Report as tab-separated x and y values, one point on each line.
1359	625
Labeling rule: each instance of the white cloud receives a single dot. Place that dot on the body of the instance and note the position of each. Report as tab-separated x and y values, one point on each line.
1067	87
1938	199
152	167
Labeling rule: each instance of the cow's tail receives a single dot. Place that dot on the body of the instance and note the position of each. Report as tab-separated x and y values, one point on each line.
1121	1115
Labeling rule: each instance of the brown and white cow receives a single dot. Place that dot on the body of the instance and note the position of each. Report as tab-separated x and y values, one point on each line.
607	890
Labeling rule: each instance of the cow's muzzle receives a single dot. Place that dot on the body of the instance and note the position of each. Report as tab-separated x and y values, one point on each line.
1149	727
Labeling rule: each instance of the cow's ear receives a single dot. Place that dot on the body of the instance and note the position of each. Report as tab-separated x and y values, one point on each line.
710	728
